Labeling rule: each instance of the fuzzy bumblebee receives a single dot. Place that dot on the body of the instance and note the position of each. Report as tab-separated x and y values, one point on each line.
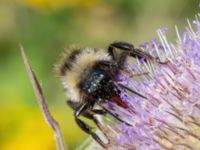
88	79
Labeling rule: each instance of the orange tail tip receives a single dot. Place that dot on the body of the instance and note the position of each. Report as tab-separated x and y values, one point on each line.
119	102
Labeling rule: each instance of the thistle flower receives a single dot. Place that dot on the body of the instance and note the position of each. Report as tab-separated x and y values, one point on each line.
169	117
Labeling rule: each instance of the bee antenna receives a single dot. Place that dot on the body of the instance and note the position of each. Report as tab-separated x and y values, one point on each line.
130	90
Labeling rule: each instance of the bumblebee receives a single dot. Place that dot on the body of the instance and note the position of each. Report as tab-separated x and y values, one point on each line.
88	79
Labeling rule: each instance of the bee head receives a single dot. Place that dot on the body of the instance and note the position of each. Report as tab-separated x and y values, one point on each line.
99	85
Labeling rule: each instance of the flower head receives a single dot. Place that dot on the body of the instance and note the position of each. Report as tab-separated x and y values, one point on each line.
169	117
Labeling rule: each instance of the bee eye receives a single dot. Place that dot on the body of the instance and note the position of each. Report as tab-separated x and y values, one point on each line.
101	76
94	84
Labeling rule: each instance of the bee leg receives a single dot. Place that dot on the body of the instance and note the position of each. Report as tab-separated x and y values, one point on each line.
118	59
86	128
91	115
101	128
109	64
131	51
99	111
115	116
75	105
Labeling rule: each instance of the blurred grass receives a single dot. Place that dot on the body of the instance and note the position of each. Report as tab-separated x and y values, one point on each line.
46	28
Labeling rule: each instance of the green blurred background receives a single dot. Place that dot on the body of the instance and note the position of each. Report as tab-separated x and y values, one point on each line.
47	28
